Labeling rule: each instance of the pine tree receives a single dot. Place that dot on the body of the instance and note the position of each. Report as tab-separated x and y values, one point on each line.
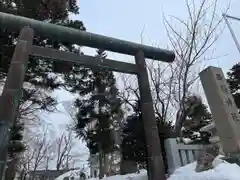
197	116
98	110
233	79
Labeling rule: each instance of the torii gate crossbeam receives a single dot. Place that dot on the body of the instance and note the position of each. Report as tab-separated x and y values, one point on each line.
78	37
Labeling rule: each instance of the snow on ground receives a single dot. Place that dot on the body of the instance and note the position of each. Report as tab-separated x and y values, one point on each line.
73	173
135	176
221	171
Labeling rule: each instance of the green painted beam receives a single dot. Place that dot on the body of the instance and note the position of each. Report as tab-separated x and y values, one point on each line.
70	35
87	61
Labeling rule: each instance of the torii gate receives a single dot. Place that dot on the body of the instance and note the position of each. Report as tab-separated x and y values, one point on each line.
24	47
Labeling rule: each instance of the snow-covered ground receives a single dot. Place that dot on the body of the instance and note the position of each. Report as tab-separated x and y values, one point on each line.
221	171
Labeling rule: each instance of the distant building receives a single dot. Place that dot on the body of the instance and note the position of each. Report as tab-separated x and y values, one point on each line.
47	174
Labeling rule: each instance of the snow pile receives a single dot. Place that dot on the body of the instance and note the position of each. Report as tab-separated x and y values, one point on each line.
136	176
221	171
142	175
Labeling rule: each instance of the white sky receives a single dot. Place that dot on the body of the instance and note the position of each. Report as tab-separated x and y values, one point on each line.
126	20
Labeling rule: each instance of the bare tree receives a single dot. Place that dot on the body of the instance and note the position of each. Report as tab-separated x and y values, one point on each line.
34	156
25	163
193	42
193	45
42	146
33	100
64	148
162	78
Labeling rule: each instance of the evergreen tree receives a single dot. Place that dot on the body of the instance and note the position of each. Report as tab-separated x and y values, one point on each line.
39	79
233	79
98	109
197	117
134	143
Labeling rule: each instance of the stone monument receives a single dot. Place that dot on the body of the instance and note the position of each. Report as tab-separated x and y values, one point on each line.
224	110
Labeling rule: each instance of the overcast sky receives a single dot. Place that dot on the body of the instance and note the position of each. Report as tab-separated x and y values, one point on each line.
126	19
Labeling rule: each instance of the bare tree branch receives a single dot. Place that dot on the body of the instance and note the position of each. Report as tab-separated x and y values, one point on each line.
38	149
191	45
63	149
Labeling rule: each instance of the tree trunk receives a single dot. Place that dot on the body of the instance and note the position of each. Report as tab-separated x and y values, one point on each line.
111	164
58	167
33	174
106	164
128	167
101	168
22	175
11	170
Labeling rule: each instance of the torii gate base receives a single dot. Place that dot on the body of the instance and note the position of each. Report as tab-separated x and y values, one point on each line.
9	101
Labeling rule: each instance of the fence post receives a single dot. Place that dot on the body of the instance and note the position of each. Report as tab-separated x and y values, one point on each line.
172	153
12	92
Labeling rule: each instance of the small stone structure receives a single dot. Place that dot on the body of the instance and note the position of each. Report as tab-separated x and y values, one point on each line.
214	139
206	158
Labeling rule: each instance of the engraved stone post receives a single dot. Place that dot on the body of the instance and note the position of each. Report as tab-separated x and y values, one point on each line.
11	95
223	108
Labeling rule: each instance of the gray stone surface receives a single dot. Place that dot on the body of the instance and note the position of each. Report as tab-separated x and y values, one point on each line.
206	157
224	111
